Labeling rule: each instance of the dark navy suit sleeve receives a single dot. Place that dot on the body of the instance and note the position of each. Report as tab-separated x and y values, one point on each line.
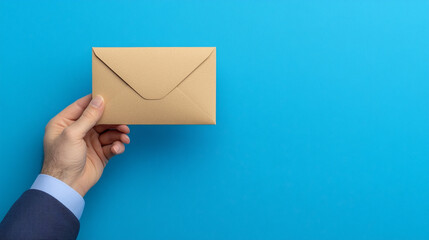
38	215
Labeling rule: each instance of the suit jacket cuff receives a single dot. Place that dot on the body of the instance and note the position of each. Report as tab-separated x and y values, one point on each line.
62	192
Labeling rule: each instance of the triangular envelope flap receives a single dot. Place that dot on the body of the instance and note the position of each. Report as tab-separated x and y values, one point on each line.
153	72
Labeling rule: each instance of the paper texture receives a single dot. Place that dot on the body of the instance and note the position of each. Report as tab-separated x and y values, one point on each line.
156	85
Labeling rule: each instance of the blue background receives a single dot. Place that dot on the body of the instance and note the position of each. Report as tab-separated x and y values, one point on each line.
322	117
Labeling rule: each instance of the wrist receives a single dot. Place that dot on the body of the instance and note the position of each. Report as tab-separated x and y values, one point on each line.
66	177
82	190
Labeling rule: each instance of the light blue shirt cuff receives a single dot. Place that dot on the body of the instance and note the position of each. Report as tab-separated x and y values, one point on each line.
62	192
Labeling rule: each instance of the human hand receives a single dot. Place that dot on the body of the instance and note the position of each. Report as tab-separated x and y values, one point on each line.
76	151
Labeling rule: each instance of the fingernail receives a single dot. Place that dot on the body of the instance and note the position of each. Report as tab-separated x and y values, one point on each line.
97	101
115	149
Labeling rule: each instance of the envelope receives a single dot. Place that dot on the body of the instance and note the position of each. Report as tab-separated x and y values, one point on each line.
155	85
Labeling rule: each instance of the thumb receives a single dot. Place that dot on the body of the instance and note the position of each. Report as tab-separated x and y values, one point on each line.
89	117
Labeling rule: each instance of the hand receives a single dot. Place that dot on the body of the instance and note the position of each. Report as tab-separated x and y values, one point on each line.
76	151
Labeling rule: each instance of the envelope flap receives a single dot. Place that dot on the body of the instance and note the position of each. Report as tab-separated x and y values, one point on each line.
153	72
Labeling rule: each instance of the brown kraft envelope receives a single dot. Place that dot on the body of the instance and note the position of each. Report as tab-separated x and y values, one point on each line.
155	85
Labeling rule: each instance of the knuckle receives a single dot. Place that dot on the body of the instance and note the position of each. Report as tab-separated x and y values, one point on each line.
68	133
90	114
48	125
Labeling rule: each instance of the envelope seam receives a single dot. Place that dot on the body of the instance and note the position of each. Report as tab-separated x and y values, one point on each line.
196	104
118	75
176	87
